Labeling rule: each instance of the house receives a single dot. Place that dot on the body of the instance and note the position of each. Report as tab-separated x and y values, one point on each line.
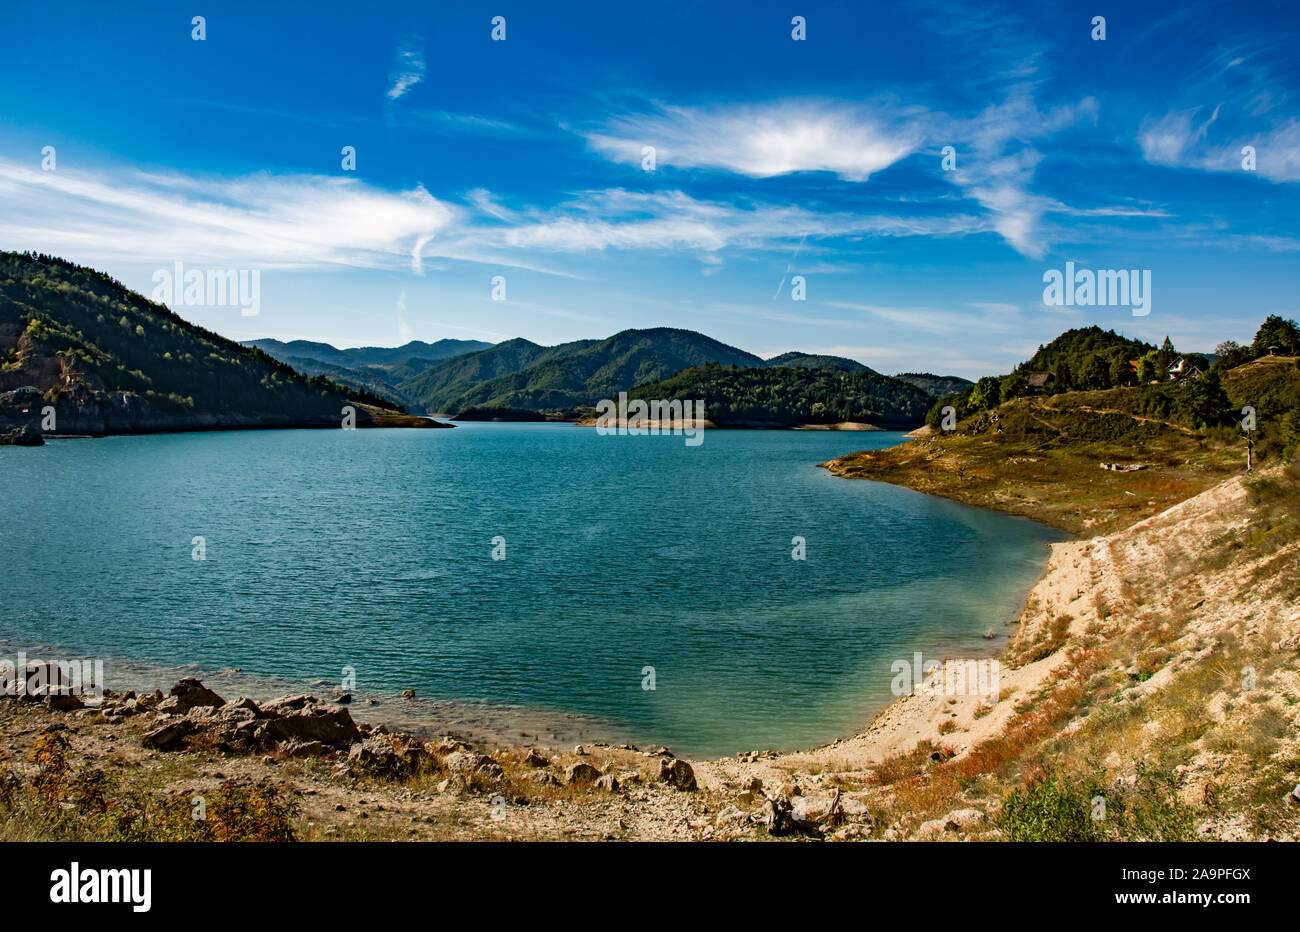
1039	381
1184	369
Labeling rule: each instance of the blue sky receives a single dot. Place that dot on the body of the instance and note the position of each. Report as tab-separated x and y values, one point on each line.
774	158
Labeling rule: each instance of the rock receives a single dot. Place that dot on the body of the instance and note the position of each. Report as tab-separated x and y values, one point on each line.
470	765
775	816
343	698
286	704
373	754
789	790
812	810
854	808
677	773
931	830
187	694
608	783
24	436
408	693
730	814
534	759
312	723
960	820
305	749
169	735
445	746
541	778
580	774
63	702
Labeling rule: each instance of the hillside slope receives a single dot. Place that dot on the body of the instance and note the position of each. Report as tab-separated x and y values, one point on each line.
780	396
109	360
576	374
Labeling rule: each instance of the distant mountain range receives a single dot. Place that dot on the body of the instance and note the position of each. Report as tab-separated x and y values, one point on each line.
363	356
524	376
111	361
108	360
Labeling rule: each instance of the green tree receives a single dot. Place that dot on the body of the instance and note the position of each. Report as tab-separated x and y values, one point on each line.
1277	335
1147	368
1094	373
1207	399
986	393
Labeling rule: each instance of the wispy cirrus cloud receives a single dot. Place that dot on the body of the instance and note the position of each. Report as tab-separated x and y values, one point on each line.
1183	139
408	67
264	220
616	218
855	141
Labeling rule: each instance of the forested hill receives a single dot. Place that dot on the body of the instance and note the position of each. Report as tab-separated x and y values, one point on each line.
521	374
936	385
111	361
782	396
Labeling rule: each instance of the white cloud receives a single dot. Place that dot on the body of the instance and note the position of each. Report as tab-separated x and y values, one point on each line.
408	68
264	220
763	141
995	161
666	220
1176	140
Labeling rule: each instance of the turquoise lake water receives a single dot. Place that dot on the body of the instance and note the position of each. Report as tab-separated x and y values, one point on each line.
373	549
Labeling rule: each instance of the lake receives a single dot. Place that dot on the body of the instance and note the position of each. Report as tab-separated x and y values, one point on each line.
374	550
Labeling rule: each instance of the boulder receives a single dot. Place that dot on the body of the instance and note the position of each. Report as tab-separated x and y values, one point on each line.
608	783
541	778
534	759
730	814
189	693
813	810
580	774
313	723
960	820
775	816
24	436
63	702
678	773
373	754
169	735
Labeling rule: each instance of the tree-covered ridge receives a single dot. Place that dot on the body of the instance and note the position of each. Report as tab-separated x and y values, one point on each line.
1153	388
782	396
1083	359
78	336
361	356
576	374
936	385
815	361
